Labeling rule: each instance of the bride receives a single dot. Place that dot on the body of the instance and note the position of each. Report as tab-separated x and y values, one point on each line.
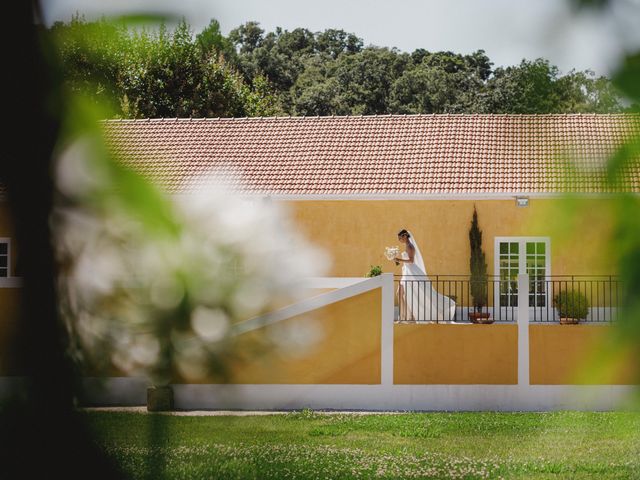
417	298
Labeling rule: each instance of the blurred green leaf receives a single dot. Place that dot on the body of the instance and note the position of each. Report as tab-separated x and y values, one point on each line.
620	162
146	18
594	4
128	188
627	79
143	200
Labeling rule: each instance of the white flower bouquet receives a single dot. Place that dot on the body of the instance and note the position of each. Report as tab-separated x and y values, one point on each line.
391	252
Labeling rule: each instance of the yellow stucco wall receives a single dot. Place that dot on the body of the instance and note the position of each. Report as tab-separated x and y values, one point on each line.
455	354
355	232
570	354
347	351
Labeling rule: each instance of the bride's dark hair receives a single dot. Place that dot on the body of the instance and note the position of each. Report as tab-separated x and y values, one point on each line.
403	232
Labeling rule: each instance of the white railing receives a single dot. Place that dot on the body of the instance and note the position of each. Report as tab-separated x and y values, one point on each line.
599	296
345	287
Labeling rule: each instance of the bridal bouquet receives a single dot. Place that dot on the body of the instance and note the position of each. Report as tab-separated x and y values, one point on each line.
391	252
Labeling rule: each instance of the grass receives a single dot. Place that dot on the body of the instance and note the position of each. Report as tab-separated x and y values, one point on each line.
311	445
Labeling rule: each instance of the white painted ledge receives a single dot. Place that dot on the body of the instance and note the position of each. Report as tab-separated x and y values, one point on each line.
402	397
351	288
332	282
375	397
523	330
131	391
10	282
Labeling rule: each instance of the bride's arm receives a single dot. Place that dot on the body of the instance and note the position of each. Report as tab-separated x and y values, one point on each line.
411	252
398	259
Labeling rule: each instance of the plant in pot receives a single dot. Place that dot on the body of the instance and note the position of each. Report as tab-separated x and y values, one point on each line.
478	283
572	306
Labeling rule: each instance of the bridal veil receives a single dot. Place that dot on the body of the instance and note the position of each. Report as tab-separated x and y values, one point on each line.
423	301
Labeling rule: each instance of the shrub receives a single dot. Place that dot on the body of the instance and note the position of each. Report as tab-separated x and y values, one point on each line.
374	271
572	304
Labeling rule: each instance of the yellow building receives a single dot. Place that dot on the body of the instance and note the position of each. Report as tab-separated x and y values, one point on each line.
351	183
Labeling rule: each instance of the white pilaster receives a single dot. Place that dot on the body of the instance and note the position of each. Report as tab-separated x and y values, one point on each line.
386	334
523	329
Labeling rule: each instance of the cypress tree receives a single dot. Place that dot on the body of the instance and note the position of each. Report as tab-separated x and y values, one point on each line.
477	265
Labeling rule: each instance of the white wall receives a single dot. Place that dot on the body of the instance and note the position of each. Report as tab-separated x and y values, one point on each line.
386	396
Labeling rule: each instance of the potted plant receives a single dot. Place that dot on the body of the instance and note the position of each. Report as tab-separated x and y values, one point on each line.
572	306
374	271
478	283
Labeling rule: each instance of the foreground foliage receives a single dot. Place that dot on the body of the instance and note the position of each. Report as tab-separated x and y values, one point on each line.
429	445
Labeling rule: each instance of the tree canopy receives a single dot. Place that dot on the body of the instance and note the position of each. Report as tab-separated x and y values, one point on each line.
251	72
161	73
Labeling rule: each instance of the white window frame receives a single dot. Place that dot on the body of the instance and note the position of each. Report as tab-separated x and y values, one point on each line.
522	265
7	240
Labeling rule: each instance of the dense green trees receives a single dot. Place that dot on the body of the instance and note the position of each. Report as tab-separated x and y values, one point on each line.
299	72
537	87
160	73
442	82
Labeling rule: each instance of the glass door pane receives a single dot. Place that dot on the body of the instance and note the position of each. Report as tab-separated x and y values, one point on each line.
536	262
509	268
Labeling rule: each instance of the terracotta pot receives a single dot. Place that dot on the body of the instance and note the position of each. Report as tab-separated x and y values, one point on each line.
481	318
569	321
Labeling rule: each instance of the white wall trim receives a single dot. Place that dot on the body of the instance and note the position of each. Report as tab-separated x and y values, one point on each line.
10	282
351	290
331	282
417	196
386	332
401	397
132	391
523	330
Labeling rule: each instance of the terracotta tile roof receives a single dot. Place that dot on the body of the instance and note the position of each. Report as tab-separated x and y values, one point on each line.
388	154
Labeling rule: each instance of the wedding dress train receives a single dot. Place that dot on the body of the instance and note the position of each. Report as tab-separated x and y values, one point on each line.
422	302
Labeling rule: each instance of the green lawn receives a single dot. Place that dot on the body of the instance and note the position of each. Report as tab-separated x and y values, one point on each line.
418	445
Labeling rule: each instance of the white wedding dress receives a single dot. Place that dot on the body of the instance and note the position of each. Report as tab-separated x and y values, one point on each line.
422	300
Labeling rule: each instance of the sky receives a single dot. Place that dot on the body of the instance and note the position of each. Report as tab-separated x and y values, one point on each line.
508	30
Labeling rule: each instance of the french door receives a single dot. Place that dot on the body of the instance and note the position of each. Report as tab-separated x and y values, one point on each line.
514	255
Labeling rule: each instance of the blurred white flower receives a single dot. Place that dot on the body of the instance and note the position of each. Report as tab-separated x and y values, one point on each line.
162	302
209	324
145	350
165	292
295	338
76	173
